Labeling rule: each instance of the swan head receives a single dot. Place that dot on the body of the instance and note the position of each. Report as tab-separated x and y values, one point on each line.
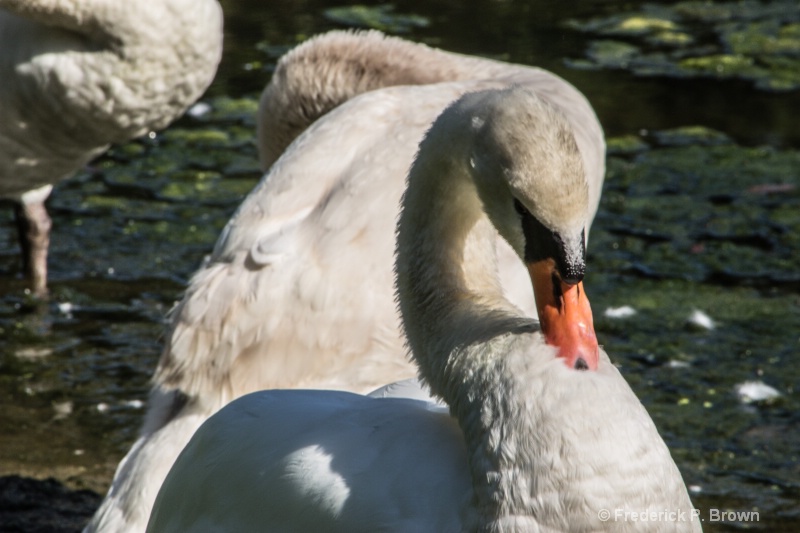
531	179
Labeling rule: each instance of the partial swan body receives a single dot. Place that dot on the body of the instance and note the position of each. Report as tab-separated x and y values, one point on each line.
541	432
79	76
298	291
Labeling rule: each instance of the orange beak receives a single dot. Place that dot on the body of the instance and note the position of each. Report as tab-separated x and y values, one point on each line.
565	316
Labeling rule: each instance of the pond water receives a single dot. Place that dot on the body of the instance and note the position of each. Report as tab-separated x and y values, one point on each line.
694	270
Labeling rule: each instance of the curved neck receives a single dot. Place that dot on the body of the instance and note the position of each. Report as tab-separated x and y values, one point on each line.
471	346
328	70
458	324
446	264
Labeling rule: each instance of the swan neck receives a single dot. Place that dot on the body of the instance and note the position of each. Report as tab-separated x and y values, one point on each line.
447	282
472	346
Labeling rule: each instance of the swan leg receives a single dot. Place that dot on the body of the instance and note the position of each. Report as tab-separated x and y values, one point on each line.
33	227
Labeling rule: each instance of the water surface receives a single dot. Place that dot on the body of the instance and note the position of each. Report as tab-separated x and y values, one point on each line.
704	218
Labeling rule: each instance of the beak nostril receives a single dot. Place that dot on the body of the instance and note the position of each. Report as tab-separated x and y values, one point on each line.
557	292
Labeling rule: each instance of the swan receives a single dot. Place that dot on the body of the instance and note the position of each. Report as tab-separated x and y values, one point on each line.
298	290
79	76
542	432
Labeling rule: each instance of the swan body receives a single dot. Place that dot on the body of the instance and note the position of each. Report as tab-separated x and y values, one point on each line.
542	432
79	76
351	463
298	290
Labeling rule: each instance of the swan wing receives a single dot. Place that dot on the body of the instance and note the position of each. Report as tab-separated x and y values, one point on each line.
302	271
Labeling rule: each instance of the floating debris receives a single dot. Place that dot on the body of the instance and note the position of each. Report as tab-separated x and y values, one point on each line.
134	404
756	392
66	308
199	109
62	409
674	363
32	354
700	320
127	404
625	311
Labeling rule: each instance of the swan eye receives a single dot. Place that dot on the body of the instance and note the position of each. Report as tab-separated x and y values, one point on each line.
521	209
557	293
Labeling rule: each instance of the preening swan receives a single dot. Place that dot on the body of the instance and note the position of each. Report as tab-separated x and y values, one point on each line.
79	76
298	291
543	434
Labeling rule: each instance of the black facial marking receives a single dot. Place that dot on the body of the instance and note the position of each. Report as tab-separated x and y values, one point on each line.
580	364
542	243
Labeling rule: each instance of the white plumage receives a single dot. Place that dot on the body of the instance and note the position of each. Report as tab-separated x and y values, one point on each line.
532	444
298	290
79	76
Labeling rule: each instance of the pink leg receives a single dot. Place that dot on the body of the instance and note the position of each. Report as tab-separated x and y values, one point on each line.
33	225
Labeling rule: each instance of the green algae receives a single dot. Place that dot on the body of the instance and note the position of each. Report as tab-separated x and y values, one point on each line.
701	215
226	109
764	38
690	135
639	25
709	11
612	53
204	137
380	17
673	39
747	40
625	144
721	65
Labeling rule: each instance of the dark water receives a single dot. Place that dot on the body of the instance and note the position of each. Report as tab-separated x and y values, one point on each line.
690	220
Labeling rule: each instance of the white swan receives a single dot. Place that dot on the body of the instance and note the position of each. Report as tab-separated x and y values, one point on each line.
534	443
79	76
298	291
